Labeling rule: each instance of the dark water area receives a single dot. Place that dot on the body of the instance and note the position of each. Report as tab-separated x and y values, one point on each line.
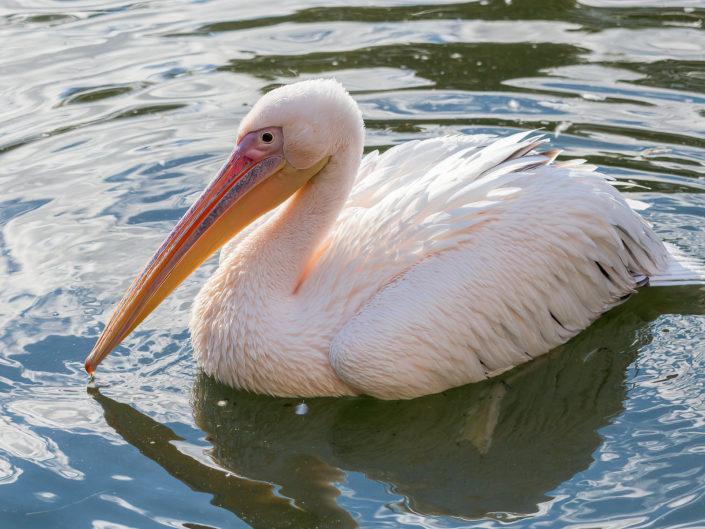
115	115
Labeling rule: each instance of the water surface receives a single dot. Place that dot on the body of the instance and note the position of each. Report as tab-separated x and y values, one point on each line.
114	117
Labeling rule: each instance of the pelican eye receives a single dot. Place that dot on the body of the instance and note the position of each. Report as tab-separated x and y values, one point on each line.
267	137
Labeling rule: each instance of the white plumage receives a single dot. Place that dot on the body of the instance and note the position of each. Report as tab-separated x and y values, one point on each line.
438	263
451	260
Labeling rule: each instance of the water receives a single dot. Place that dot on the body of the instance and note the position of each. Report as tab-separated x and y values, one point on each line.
114	117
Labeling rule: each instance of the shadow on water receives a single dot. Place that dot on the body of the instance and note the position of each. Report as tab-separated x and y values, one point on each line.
458	66
494	449
592	18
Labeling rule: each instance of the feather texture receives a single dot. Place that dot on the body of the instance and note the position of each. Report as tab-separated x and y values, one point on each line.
435	264
453	259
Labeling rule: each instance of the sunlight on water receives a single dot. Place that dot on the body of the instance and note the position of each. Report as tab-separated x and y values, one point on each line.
115	116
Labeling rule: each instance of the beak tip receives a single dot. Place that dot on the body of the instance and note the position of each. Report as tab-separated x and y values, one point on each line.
90	369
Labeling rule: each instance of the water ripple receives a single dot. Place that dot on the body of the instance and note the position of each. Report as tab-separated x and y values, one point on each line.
115	115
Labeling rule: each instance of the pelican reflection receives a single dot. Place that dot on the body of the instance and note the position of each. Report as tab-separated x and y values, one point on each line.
489	449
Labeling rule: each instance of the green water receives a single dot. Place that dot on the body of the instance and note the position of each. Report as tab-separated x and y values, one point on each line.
113	118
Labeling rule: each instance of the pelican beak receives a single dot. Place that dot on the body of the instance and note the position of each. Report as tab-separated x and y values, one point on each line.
255	179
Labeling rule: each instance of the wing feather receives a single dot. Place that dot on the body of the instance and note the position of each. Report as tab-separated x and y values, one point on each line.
483	248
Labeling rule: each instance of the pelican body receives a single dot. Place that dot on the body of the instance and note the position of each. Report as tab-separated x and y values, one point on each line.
438	263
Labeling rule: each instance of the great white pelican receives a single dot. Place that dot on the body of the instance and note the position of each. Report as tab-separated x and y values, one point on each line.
438	263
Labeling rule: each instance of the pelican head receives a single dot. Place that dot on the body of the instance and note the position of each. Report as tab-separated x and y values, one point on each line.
287	138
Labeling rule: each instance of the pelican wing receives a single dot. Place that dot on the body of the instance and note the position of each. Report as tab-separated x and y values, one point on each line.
461	257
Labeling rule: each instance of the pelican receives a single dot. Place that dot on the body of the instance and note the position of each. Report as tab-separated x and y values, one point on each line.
436	264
